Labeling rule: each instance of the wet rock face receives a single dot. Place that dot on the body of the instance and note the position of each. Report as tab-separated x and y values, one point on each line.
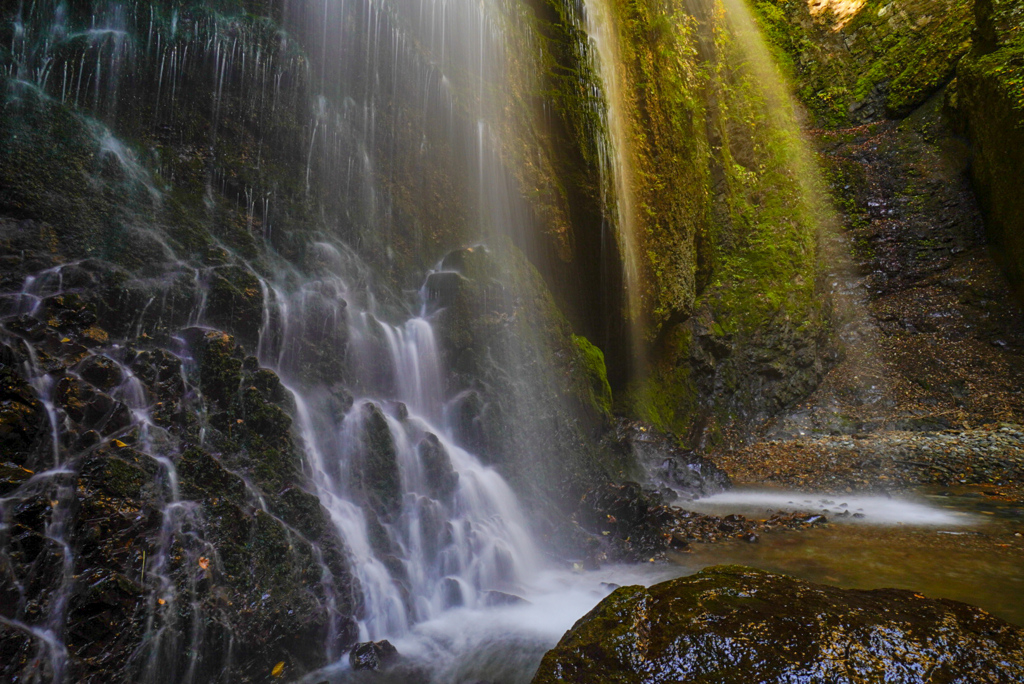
193	544
371	655
989	102
678	473
235	302
628	522
377	473
861	62
22	422
496	314
437	466
735	624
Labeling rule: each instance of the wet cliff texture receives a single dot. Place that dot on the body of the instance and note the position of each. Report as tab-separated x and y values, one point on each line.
156	174
858	62
989	98
154	507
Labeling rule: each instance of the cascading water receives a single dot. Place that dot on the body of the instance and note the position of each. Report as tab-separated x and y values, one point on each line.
197	194
615	163
427	525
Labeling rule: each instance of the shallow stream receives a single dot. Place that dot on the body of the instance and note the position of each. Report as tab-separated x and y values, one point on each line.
957	545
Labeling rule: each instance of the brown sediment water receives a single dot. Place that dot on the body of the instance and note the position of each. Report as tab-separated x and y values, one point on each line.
965	548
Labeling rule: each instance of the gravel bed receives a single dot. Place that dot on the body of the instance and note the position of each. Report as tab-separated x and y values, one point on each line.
884	461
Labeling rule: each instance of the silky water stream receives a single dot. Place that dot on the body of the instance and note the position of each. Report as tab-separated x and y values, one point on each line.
478	601
441	550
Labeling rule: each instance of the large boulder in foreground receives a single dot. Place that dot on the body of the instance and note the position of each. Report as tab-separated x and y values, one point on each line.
730	624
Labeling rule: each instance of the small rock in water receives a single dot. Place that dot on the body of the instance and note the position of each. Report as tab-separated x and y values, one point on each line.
751	538
371	655
500	598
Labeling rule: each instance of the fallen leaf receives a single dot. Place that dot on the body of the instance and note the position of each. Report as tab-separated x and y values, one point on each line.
204	563
278	670
118	443
161	601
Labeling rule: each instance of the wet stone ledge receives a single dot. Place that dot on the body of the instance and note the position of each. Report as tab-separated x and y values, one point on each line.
733	624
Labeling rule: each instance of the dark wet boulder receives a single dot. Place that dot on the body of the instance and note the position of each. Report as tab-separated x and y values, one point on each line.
500	598
101	372
669	467
635	519
469	415
451	592
371	655
377	473
22	418
220	367
437	467
157	367
12	476
442	288
733	624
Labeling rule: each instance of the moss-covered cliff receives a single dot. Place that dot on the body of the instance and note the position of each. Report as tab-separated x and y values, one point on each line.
728	210
989	99
858	61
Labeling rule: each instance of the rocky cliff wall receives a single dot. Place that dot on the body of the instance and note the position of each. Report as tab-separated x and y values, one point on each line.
989	100
859	60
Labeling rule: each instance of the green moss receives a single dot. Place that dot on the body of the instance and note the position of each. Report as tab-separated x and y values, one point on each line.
754	250
667	397
1004	70
898	52
736	624
219	368
378	473
593	359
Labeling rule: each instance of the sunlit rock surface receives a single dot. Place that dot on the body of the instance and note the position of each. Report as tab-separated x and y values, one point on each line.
736	624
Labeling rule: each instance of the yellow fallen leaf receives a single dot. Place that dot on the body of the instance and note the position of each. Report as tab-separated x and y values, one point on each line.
204	562
66	340
278	670
161	601
119	443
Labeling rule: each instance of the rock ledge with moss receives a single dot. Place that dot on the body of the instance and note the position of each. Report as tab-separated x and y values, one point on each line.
734	624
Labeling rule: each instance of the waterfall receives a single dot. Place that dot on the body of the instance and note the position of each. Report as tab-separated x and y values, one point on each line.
428	527
615	162
283	186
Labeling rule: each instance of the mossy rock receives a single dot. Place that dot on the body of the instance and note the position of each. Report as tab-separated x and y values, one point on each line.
202	476
220	368
377	474
596	371
867	61
734	625
235	303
